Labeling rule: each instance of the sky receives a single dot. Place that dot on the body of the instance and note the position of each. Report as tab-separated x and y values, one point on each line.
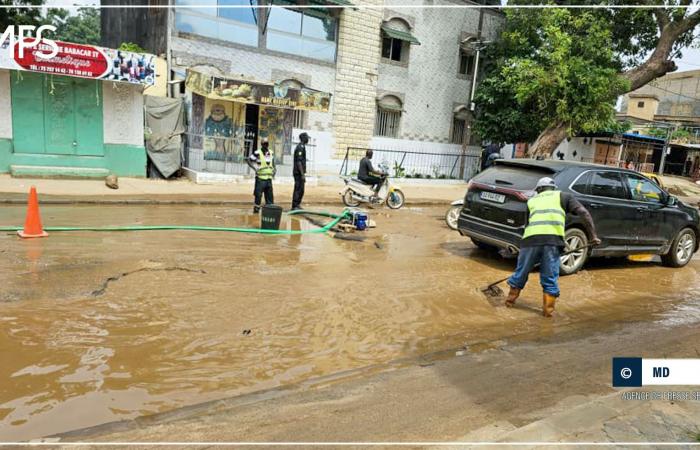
689	61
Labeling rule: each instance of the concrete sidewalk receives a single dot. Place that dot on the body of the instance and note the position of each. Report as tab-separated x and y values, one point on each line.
606	419
141	190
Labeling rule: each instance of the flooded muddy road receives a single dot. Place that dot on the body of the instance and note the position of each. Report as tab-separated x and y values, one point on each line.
96	327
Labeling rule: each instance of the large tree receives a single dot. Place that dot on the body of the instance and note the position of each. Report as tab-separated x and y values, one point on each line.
556	72
20	16
81	28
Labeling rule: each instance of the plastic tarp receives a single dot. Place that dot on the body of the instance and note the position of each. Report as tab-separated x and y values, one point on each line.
165	125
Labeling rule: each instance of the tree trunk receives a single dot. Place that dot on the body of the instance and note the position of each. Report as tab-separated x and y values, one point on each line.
548	140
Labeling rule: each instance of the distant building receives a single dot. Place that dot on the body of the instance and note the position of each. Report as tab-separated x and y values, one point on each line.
399	79
673	98
667	102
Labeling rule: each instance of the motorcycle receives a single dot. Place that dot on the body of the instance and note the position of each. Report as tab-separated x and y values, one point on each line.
452	215
357	192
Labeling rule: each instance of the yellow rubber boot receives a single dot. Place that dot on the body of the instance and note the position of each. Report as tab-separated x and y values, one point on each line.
513	295
548	304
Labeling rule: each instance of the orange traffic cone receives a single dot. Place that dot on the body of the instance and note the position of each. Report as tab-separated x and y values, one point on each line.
32	224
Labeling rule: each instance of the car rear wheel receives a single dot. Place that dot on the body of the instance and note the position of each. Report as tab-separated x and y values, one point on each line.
573	262
452	216
681	250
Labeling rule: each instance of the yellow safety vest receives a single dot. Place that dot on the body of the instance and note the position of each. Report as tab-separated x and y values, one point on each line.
546	215
266	168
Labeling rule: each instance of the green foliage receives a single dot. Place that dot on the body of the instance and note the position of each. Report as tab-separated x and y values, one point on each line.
498	118
563	66
81	28
399	171
681	135
18	16
555	65
131	47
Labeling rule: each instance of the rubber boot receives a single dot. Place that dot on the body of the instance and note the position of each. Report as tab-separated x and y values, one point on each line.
513	295
548	301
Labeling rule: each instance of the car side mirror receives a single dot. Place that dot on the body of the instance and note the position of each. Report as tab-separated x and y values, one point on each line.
671	200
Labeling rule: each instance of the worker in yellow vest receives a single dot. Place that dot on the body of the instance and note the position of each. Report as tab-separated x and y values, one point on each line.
544	238
263	163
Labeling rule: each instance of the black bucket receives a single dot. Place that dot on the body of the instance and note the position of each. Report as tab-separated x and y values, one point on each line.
271	217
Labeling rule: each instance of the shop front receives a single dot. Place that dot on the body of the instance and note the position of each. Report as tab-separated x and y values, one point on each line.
229	117
78	114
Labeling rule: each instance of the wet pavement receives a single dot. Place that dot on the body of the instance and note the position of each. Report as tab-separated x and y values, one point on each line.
97	327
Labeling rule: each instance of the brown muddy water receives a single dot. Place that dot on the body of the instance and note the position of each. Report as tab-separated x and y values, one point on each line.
96	327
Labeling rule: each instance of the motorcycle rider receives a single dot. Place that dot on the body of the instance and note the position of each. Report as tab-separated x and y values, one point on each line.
490	153
368	175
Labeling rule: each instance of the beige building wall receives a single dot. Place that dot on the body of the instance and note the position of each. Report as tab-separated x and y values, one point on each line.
160	88
678	96
122	113
642	106
354	103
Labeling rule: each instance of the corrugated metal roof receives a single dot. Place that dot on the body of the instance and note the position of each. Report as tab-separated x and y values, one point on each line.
643	136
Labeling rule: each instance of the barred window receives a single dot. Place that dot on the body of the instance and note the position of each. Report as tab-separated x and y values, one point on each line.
460	125
387	123
459	131
388	118
299	119
466	62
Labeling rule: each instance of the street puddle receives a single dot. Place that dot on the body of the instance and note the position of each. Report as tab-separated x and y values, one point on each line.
202	315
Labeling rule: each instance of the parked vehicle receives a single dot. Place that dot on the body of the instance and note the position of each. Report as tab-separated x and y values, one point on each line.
631	213
452	215
655	178
357	192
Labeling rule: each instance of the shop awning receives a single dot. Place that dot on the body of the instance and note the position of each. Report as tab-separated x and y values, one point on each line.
400	35
332	3
256	92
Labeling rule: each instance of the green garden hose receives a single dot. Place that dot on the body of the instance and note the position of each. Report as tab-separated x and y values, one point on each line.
336	218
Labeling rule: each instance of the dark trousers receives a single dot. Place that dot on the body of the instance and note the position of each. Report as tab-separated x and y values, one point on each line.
548	258
376	182
263	187
298	195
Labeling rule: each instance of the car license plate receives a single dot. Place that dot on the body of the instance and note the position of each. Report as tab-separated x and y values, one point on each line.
492	197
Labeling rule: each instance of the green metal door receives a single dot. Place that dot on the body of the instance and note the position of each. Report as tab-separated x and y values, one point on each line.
88	124
57	115
27	112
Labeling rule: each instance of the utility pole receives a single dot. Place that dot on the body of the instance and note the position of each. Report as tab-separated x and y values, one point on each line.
669	135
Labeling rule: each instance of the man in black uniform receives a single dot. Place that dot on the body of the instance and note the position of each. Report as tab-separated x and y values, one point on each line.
367	174
299	171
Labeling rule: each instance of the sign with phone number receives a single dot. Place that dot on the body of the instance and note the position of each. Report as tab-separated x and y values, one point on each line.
82	61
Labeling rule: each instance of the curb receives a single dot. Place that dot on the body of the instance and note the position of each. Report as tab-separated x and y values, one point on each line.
45	201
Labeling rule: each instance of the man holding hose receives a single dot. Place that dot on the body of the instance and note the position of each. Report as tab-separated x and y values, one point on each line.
542	240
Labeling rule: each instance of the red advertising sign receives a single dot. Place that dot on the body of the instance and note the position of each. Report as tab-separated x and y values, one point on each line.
72	59
78	60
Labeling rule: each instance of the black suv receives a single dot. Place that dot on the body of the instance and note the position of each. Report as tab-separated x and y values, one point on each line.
631	213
